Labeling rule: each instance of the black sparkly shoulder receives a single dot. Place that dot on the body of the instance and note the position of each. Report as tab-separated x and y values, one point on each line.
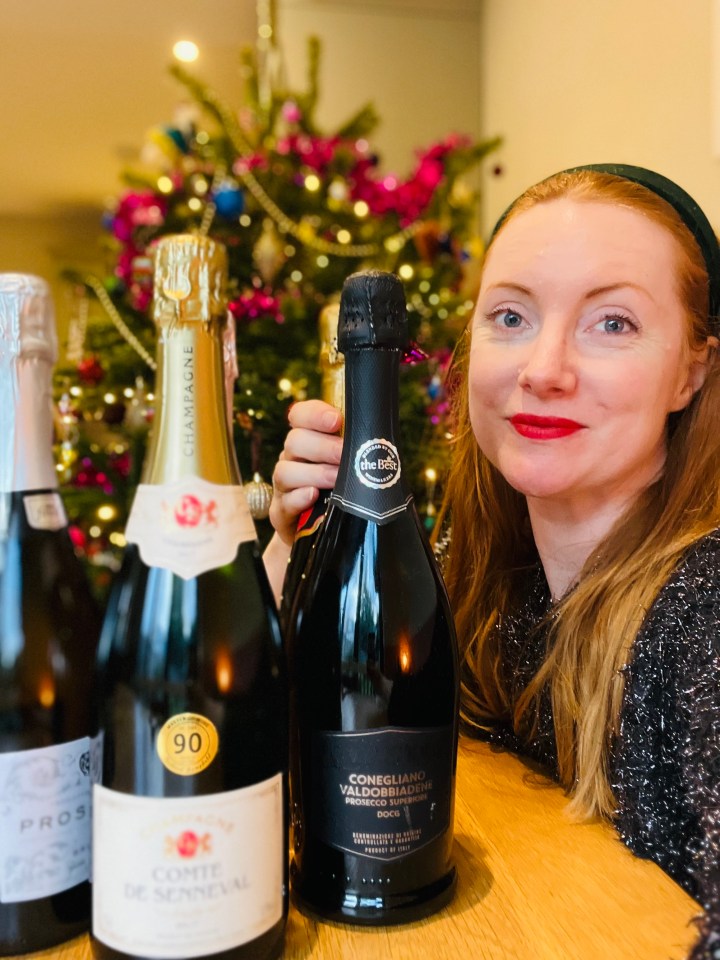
665	762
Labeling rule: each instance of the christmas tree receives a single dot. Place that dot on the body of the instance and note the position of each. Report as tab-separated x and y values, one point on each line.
298	209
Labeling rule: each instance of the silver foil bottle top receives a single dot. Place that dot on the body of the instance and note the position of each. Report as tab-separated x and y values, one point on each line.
27	318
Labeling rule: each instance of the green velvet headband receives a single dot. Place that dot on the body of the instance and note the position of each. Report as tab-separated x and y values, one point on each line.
689	211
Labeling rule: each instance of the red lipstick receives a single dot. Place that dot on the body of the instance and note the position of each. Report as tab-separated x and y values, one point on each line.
544	428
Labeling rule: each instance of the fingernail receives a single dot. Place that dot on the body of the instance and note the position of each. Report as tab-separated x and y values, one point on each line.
330	419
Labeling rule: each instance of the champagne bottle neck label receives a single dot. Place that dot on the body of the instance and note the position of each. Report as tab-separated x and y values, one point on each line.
189	526
45	807
377	464
370	480
191	434
45	511
189	876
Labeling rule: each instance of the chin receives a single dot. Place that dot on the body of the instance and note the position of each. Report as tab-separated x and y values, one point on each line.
542	485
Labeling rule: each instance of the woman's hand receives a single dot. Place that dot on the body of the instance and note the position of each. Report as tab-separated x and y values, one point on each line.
308	463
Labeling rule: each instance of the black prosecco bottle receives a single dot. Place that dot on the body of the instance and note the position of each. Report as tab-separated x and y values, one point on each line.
49	627
190	821
373	663
332	367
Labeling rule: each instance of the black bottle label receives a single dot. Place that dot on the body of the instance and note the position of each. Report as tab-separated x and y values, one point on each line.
382	794
370	487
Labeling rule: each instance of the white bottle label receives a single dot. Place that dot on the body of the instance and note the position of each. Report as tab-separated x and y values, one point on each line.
45	511
189	526
45	817
186	877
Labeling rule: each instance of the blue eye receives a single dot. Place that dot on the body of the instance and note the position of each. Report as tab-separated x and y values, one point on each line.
617	324
508	318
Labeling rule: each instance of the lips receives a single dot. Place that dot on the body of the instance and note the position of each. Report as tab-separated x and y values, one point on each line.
544	428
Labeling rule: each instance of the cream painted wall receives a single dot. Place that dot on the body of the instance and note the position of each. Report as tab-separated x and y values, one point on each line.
569	82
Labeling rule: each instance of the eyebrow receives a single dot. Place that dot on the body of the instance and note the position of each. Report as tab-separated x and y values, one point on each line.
595	292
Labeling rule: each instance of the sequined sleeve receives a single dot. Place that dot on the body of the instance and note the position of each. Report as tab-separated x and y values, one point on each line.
670	771
701	760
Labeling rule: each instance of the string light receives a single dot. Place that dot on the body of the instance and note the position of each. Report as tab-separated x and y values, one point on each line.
186	51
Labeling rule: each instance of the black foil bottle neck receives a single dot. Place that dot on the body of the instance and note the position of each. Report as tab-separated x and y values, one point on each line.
371	480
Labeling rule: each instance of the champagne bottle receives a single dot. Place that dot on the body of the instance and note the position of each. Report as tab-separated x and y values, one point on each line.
332	366
373	663
49	626
190	820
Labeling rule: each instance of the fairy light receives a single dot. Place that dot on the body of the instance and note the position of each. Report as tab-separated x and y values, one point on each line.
186	51
195	204
406	271
296	276
110	398
322	261
344	236
312	182
117	539
106	512
245	220
165	184
361	209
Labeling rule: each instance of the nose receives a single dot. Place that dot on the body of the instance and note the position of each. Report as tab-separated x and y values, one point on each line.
549	367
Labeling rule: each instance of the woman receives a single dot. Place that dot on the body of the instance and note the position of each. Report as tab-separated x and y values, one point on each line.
584	499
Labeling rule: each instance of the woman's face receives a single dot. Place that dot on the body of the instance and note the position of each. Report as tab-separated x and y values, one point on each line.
579	352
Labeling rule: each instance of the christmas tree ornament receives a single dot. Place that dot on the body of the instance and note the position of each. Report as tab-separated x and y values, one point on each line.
229	199
259	496
268	253
90	370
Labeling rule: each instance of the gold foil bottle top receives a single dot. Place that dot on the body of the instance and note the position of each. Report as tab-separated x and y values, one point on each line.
190	279
27	318
332	362
328	330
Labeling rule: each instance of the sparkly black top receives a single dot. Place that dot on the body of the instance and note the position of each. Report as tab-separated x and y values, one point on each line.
665	763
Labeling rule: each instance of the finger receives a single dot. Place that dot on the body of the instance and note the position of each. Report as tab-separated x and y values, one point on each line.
289	475
286	509
315	415
302	444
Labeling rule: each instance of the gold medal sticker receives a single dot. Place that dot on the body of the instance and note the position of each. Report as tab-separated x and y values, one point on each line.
187	743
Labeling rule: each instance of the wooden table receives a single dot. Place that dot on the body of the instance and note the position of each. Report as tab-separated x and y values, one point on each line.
533	885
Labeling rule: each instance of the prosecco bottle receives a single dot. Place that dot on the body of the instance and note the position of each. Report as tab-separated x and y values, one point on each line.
190	820
373	663
332	367
49	626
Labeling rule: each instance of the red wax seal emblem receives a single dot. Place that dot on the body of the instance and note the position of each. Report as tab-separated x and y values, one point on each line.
188	844
189	511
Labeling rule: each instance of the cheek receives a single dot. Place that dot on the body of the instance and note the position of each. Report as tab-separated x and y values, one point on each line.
487	391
